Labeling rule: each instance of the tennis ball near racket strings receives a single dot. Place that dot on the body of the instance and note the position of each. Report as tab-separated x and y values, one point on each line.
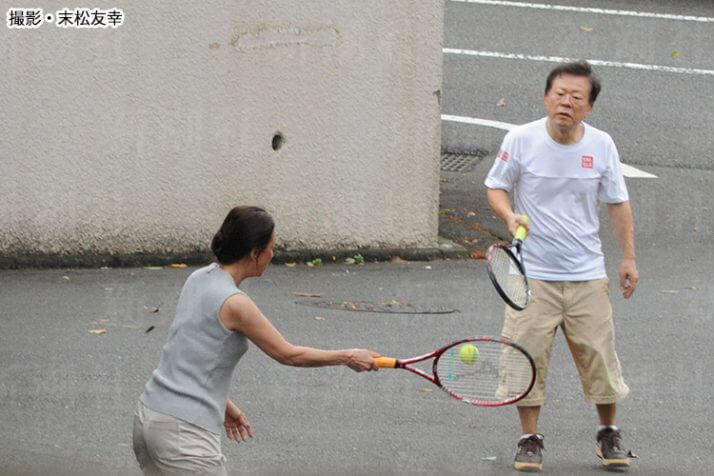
468	354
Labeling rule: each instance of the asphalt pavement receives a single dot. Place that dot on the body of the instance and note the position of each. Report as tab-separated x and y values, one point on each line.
77	345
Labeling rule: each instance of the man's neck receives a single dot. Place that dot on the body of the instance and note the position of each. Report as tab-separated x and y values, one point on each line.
566	136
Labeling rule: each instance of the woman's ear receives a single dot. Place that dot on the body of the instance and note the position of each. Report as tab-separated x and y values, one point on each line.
254	253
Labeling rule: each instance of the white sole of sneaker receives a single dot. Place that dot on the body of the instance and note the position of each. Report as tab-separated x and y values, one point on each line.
616	464
528	467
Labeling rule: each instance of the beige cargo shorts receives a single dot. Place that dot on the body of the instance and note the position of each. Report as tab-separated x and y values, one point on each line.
582	310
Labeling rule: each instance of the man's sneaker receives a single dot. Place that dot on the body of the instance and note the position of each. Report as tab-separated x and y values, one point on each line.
610	451
530	454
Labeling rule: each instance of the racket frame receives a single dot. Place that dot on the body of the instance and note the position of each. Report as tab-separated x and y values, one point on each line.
434	378
516	259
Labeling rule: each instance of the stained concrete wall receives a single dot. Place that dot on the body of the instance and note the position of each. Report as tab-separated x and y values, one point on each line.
138	139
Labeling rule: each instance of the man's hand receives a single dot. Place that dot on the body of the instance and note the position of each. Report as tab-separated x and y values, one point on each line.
514	221
629	277
238	428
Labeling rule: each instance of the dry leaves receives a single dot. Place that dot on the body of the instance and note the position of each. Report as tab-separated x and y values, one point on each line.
478	254
307	294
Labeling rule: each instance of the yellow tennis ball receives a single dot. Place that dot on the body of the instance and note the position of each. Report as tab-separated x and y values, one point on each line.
468	354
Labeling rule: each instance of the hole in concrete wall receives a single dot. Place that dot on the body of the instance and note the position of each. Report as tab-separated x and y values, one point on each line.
278	140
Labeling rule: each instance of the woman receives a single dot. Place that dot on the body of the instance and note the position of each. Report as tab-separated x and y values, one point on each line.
185	402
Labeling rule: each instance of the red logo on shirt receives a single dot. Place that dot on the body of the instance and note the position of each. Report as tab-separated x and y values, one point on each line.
587	162
503	155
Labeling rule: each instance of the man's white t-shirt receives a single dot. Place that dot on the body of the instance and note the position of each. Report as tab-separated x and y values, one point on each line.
559	188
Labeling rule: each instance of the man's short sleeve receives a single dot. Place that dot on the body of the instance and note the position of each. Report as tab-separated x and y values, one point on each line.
612	188
505	170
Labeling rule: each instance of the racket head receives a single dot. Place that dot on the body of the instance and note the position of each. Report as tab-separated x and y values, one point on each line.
501	372
508	275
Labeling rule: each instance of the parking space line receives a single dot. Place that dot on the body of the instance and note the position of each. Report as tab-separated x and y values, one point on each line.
594	62
627	170
601	11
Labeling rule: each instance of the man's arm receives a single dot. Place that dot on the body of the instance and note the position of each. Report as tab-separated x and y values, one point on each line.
623	224
500	203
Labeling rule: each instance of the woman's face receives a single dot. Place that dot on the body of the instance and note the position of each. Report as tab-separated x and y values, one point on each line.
263	259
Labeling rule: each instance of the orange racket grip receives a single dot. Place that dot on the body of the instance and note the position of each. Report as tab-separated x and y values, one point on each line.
386	362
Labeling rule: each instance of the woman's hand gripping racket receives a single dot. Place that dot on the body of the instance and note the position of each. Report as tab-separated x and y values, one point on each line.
504	263
482	371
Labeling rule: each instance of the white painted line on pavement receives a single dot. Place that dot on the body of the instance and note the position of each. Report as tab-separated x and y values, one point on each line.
602	11
630	171
478	122
627	170
559	59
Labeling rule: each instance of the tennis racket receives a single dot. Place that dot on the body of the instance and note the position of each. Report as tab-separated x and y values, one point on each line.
504	263
483	371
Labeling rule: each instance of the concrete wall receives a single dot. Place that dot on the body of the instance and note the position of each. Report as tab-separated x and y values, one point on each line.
139	139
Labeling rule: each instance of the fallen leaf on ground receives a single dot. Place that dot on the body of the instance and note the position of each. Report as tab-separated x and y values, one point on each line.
676	54
471	214
153	268
587	29
397	259
501	102
669	291
97	331
488	458
151	328
319	318
307	294
179	265
426	390
290	265
478	254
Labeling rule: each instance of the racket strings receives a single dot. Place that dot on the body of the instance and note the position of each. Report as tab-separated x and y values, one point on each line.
508	275
498	373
